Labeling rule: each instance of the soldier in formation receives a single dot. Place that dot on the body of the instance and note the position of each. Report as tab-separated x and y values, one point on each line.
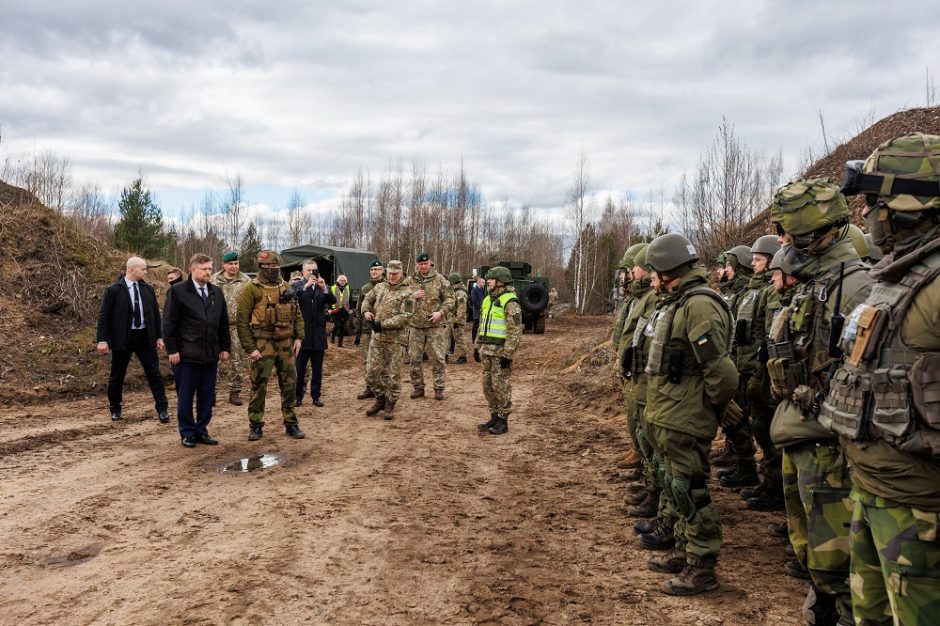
232	280
497	341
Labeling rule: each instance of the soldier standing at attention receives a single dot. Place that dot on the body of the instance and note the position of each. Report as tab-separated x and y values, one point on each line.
692	382
231	280
459	320
883	400
811	217
388	307
270	329
434	299
364	331
497	341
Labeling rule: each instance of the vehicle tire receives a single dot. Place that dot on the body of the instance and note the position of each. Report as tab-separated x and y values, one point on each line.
534	298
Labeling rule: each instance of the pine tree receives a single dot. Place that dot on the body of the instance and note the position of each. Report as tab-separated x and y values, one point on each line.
251	246
140	229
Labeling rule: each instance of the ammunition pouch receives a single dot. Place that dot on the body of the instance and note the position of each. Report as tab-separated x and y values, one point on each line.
848	402
626	363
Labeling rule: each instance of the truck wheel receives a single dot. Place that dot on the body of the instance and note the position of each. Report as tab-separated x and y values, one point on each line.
534	298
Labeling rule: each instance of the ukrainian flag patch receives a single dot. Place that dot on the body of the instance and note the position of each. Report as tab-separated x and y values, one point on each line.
701	341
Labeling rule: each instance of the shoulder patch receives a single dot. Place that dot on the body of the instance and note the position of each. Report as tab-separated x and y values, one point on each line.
703	343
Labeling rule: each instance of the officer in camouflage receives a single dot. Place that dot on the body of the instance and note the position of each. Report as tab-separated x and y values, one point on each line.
497	341
364	331
434	299
458	318
388	307
811	216
692	381
270	329
884	400
231	280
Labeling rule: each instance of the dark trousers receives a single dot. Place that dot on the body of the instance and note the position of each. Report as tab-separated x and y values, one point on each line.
339	325
138	344
195	380
474	329
316	372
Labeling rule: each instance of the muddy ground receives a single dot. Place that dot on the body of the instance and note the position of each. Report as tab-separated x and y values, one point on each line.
416	521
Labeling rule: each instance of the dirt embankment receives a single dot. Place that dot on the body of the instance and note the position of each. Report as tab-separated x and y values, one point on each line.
416	521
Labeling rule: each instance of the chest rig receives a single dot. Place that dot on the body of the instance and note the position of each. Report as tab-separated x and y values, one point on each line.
885	390
274	313
680	359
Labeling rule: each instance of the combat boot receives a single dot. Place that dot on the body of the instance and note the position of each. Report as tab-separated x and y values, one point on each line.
417	393
744	475
692	580
636	486
377	406
438	394
648	507
646	526
254	432
779	529
461	360
672	562
340	344
235	397
753	492
660	537
365	394
633	474
795	569
637	495
501	426
389	413
767	501
486	425
630	459
819	608
293	431
726	458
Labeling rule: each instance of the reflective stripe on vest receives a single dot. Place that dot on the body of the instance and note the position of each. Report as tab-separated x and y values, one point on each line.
493	317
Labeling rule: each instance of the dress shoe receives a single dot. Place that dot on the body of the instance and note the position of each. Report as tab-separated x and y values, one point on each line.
293	431
188	442
417	393
163	416
254	432
206	439
365	394
438	394
235	397
317	402
116	416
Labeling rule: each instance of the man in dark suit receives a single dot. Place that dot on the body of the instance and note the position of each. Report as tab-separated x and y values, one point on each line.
129	324
196	328
314	299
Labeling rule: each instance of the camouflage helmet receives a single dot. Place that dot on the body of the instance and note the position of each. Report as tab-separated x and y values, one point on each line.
768	244
805	206
629	257
779	261
904	173
640	258
454	277
858	240
268	257
669	251
874	252
500	273
742	255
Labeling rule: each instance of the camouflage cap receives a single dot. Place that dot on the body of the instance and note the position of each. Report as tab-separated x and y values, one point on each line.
454	277
268	257
629	257
805	206
394	267
904	173
230	256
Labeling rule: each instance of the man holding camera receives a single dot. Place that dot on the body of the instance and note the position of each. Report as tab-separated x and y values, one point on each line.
270	329
314	298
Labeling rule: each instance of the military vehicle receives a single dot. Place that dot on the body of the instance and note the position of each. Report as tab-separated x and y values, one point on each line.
532	292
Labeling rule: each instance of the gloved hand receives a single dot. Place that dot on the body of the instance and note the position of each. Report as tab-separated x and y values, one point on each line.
377	326
476	355
505	363
731	414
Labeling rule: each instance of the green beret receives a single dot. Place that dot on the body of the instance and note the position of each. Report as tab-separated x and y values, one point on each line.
230	256
375	263
423	256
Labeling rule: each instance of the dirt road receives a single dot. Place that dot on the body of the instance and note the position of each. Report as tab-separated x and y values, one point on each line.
416	521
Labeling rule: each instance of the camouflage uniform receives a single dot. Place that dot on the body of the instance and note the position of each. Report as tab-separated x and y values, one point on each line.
495	350
271	328
425	334
458	321
816	482
883	400
364	336
392	306
234	369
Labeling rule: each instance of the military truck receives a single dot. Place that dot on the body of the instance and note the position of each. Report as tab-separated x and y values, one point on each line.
532	292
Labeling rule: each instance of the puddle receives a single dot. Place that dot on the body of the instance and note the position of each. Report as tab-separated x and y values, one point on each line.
252	463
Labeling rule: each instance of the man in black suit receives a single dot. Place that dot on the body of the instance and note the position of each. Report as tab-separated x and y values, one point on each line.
129	324
314	299
196	328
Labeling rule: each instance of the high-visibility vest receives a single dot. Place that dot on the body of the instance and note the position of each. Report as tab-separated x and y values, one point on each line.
493	317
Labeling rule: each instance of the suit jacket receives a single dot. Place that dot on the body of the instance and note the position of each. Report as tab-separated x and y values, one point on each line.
197	330
117	311
313	305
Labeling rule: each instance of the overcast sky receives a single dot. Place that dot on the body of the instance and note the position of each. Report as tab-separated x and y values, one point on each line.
302	94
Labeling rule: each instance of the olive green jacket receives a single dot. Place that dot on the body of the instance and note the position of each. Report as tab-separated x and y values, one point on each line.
438	297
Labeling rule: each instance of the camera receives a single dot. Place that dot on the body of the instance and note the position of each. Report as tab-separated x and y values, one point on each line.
315	273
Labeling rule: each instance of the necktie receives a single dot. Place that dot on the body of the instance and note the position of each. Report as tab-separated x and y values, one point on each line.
138	321
202	292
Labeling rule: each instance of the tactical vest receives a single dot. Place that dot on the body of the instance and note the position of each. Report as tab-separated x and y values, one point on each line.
744	320
270	319
681	360
493	318
885	390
